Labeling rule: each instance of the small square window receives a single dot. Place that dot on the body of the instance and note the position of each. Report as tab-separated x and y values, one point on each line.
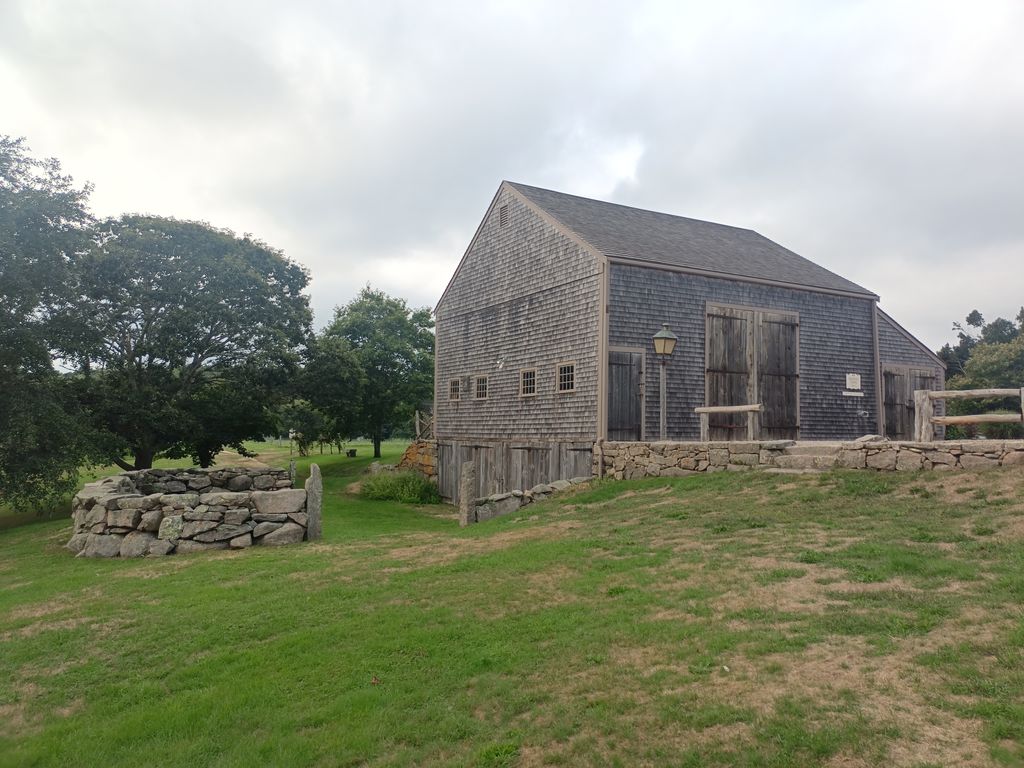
455	389
528	382
566	377
480	390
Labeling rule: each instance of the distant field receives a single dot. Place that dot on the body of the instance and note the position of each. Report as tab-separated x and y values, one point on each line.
844	619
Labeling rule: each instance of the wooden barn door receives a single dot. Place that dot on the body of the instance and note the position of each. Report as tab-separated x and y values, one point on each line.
753	356
729	376
625	395
778	375
898	386
899	424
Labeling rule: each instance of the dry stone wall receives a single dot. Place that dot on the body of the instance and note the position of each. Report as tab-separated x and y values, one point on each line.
158	512
421	456
627	460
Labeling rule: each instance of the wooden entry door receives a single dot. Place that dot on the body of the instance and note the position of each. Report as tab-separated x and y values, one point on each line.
898	386
625	395
752	356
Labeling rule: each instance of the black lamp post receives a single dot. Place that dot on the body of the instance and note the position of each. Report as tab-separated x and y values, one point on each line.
664	344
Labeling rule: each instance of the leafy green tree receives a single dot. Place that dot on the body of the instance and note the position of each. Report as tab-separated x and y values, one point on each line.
996	361
233	405
306	424
333	382
994	365
183	325
395	348
977	331
43	222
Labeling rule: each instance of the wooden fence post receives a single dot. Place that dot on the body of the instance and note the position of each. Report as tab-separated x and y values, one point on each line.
924	409
705	427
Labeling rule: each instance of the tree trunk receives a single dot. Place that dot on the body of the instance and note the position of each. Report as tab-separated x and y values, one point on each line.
205	458
376	444
144	458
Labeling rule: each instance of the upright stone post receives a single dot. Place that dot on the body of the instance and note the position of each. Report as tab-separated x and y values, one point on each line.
314	503
291	471
467	493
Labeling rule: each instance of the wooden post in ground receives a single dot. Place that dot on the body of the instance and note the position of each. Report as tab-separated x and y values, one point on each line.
662	415
705	427
924	410
467	493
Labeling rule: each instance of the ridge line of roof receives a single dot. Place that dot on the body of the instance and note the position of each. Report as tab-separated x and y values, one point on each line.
520	185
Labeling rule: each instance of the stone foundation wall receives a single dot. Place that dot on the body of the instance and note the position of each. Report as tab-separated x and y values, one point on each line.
626	460
421	456
159	512
498	504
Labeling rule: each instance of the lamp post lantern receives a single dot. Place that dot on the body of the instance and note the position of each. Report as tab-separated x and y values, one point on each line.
664	344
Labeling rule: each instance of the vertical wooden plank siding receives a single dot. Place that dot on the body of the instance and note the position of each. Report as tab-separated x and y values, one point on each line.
778	382
625	382
899	384
729	373
504	466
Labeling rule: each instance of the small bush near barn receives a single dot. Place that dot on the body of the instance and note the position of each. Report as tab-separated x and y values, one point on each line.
404	487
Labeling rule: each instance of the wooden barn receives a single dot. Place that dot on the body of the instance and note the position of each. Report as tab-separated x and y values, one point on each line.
545	341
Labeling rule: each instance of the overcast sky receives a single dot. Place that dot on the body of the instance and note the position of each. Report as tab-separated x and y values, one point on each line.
883	140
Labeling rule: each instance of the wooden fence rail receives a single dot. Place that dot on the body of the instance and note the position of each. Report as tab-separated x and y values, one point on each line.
925	418
424	424
705	412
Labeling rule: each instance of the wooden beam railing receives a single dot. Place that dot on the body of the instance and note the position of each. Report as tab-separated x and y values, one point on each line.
424	424
925	418
705	412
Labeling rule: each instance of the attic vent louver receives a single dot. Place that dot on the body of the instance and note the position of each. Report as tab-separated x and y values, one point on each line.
503	216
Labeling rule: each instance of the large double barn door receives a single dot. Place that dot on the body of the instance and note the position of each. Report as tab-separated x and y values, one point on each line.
752	356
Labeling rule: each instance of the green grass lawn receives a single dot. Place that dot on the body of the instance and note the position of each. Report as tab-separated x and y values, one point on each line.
843	619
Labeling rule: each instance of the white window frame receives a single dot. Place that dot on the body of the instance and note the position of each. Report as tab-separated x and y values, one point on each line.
476	387
522	373
558	377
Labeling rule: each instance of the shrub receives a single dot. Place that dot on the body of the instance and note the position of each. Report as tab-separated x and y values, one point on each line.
406	487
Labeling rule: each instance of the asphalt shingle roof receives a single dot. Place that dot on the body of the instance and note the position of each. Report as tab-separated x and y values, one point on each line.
660	238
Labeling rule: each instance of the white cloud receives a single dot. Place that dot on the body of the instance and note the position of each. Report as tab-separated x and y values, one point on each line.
882	140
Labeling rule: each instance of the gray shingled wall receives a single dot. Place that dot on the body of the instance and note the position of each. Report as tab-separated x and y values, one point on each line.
895	348
526	296
836	338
